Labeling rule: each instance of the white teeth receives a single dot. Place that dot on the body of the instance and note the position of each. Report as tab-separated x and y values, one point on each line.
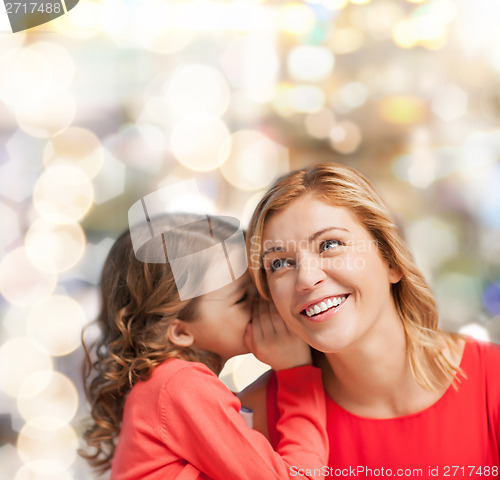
324	305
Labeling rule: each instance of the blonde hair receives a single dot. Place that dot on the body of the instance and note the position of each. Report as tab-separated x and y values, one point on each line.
139	300
342	186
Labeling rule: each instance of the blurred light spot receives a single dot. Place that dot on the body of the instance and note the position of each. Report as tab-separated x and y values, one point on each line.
63	194
482	193
404	34
481	149
306	98
155	26
345	137
19	174
21	283
247	108
419	167
14	322
402	110
345	40
54	247
10	226
330	4
138	146
47	439
197	89
381	16
458	296
296	18
491	299
26	78
424	165
155	111
110	182
250	206
222	16
432	242
319	124
353	95
255	161
56	323
81	24
251	63
75	146
188	201
89	268
200	142
47	394
426	27
449	102
115	21
310	63
475	331
19	358
492	263
360	2
60	61
42	470
49	116
9	43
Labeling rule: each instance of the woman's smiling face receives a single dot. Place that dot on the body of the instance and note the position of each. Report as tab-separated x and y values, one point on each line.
326	275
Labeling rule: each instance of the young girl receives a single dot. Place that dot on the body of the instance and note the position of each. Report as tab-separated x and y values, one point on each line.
158	409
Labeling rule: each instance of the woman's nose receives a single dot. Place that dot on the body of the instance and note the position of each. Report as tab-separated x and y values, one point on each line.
309	273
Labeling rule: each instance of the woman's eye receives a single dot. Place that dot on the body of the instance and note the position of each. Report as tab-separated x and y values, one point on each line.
329	245
279	263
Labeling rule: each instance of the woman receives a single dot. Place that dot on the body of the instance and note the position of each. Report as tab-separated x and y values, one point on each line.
403	397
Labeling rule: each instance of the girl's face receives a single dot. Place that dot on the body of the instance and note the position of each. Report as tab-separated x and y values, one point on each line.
223	317
326	275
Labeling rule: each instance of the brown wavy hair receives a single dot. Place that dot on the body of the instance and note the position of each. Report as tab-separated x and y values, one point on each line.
343	186
138	301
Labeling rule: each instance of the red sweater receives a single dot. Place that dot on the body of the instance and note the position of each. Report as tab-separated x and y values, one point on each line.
458	436
184	423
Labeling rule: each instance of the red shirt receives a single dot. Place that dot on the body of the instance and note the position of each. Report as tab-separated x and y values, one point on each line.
184	423
458	436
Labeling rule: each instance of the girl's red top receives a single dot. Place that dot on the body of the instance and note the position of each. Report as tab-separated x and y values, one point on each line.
183	423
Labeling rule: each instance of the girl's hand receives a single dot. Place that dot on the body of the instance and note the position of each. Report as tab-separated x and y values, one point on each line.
272	342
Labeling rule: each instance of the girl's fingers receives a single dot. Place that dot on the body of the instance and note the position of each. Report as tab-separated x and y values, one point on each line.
279	325
248	337
256	325
266	323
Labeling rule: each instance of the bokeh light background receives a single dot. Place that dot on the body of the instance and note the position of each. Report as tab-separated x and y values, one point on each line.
121	97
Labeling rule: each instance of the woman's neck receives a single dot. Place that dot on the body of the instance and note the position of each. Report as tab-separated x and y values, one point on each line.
373	377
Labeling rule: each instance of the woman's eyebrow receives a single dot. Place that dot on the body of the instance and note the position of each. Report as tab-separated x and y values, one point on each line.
277	248
314	236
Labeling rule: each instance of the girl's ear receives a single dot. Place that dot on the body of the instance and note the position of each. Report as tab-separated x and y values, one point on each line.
178	333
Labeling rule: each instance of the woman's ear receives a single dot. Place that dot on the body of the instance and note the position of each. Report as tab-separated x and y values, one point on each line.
178	333
395	274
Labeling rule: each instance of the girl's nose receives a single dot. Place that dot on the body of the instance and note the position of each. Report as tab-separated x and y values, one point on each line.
309	273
